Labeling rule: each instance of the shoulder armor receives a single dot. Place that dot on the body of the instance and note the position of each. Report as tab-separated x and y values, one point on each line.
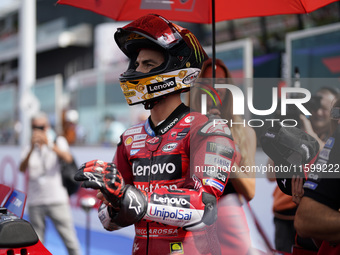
215	127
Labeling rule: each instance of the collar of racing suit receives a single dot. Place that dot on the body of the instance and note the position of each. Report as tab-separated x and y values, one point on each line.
170	121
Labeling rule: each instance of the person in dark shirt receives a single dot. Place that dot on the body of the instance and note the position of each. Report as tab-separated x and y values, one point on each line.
318	214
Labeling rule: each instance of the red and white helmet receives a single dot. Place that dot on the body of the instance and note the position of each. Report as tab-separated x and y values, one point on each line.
183	56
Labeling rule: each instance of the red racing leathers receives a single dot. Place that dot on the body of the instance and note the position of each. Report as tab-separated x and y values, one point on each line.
182	165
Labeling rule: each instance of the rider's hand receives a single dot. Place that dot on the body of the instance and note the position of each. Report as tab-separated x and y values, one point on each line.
97	174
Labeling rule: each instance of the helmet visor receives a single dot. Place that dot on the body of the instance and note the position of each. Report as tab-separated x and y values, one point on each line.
154	28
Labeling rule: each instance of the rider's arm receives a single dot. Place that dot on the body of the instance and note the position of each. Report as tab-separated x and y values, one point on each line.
192	206
311	211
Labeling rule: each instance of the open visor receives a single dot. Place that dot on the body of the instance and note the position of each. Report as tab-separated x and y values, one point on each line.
152	27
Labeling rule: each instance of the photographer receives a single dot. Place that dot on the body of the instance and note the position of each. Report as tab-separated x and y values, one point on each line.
47	197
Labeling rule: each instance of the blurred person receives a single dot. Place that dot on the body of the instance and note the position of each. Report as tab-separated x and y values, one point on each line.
111	130
73	131
318	215
69	124
284	210
318	125
47	197
153	181
232	229
284	206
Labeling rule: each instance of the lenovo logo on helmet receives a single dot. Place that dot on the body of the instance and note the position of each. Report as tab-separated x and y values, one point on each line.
160	86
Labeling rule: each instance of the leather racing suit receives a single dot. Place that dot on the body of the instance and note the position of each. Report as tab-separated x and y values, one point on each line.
170	163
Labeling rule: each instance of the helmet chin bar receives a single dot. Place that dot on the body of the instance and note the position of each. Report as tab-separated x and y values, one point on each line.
150	104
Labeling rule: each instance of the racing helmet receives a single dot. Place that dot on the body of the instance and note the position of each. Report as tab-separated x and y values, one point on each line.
183	59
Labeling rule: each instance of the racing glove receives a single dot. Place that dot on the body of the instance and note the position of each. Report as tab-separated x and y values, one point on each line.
128	204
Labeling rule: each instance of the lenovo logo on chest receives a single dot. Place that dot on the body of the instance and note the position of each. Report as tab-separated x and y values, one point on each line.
158	168
155	169
160	86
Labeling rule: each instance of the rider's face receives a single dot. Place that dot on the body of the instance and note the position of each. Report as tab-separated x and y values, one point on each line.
148	59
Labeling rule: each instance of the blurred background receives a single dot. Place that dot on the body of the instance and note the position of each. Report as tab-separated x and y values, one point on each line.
75	80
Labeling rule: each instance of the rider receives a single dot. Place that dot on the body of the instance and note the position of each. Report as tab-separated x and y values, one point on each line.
157	180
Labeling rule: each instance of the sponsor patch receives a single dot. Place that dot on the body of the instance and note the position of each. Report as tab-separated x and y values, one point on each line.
133	131
169	147
178	134
189	119
183	124
139	137
173	135
160	86
157	231
129	93
153	143
218	161
330	143
310	185
138	144
190	78
213	183
154	140
165	167
212	172
324	153
128	140
169	214
176	248
313	176
171	200
182	134
170	125
133	152
220	149
150	188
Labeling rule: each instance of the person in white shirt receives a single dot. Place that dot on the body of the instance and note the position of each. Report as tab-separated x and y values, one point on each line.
47	197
